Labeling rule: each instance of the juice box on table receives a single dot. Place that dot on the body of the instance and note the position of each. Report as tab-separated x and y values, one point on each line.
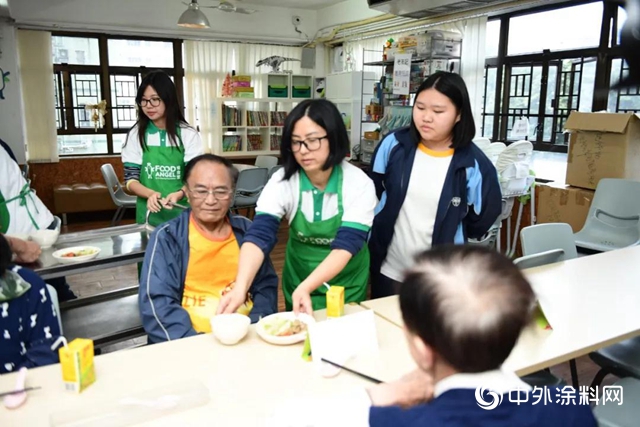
335	301
76	360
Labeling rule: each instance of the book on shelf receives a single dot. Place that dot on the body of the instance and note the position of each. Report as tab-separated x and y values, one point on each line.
274	144
254	142
278	117
231	143
230	116
257	118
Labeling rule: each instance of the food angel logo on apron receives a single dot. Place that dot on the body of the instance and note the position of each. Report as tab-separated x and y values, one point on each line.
149	170
162	171
314	240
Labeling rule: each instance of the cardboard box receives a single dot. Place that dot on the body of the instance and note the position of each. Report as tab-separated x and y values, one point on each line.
375	135
602	145
373	109
563	204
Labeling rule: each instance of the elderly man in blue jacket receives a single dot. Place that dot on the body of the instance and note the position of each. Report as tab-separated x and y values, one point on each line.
192	260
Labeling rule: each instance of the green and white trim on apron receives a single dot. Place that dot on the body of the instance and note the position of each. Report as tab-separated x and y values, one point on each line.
23	197
161	170
310	243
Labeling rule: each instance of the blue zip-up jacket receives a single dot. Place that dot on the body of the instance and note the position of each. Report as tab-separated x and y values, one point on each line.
164	271
470	202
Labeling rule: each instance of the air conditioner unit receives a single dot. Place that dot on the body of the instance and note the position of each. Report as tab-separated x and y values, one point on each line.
428	8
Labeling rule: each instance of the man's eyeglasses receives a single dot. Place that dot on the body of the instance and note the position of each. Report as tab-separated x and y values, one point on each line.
154	102
219	194
312	144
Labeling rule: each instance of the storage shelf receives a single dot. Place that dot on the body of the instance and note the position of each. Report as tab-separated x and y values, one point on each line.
413	60
259	125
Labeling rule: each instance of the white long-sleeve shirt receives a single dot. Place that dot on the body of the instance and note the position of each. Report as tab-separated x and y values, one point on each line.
11	184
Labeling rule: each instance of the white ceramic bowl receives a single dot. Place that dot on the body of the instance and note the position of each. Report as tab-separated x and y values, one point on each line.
283	340
45	238
58	255
229	329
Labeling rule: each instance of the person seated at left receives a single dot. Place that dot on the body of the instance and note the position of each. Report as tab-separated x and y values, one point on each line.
28	319
23	213
192	260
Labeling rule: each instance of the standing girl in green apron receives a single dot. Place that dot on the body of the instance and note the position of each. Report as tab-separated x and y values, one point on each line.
329	204
157	148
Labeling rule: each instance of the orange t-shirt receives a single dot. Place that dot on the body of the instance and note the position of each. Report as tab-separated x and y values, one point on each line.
213	265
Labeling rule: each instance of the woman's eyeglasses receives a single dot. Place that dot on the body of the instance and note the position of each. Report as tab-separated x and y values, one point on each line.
311	144
154	102
219	194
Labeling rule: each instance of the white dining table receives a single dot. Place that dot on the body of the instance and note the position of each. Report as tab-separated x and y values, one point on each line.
591	302
242	384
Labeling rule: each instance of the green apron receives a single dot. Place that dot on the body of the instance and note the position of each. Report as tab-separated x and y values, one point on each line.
25	193
161	170
309	244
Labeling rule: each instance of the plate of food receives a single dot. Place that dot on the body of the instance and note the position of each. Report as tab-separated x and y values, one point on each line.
76	254
284	328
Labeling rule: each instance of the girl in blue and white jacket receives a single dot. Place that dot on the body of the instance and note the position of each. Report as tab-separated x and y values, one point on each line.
435	186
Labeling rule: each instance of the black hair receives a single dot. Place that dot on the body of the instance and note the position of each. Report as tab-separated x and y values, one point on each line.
5	255
468	303
233	172
453	87
166	90
326	115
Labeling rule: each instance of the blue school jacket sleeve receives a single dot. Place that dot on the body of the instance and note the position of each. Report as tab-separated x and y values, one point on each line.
163	317
484	197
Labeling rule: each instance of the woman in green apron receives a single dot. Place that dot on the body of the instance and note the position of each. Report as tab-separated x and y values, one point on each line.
157	148
330	207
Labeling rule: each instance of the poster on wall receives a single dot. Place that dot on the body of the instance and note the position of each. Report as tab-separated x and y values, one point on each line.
401	74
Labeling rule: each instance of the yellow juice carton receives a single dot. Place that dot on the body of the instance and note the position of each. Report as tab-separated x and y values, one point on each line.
335	301
76	360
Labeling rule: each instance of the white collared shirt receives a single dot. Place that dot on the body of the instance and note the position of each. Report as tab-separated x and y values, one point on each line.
352	408
11	184
497	380
280	198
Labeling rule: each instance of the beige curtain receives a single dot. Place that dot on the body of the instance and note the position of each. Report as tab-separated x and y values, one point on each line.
472	63
36	76
206	66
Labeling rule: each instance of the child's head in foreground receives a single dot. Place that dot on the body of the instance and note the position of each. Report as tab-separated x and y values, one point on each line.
464	307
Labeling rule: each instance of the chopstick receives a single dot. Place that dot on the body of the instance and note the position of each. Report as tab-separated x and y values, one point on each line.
366	377
9	393
179	206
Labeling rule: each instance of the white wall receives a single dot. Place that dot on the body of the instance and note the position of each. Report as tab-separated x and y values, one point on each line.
159	17
345	12
11	111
